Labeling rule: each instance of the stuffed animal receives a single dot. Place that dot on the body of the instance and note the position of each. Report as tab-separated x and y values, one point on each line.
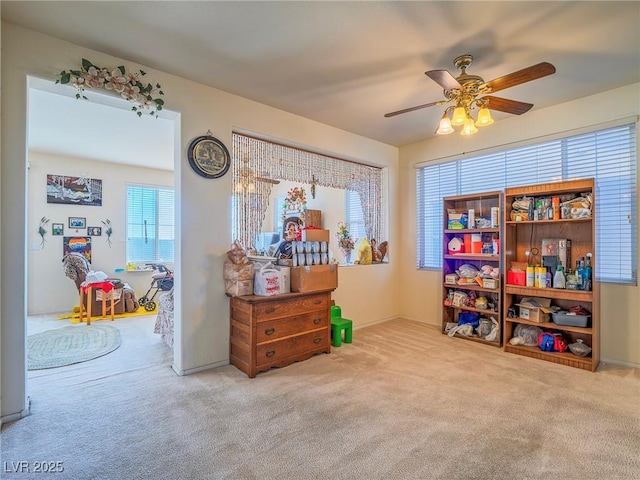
363	252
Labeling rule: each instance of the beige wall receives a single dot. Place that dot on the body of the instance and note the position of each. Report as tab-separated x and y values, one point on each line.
620	304
48	289
203	207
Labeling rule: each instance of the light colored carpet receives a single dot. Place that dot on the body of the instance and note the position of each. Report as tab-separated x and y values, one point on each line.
68	345
402	402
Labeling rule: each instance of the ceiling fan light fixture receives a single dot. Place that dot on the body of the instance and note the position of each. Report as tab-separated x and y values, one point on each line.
445	127
468	128
484	117
459	116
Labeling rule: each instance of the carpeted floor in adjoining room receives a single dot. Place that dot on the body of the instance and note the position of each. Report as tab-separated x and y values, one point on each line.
402	402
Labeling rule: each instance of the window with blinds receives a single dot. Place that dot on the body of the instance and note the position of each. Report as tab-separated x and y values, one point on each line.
607	155
150	224
354	215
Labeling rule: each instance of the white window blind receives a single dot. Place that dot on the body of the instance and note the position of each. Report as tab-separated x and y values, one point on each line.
608	155
150	224
354	215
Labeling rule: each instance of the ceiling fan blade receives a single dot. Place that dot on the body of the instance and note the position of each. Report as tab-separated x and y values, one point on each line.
444	79
508	106
411	109
516	78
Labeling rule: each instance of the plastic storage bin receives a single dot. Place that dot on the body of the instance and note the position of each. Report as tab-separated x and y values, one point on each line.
563	318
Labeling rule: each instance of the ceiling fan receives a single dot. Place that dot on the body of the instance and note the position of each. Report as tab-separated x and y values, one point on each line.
465	92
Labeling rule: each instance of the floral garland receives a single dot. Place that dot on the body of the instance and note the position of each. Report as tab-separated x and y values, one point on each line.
296	201
119	80
345	241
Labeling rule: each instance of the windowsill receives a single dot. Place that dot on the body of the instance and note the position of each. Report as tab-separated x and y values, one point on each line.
358	265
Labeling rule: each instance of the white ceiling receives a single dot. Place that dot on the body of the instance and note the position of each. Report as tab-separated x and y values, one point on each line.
346	64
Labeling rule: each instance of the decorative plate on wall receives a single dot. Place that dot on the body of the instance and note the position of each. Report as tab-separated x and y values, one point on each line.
208	156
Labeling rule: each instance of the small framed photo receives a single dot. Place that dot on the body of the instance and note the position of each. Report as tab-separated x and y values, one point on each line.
57	229
94	231
77	222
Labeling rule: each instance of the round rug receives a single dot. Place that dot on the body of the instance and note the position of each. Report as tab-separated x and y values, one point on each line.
68	345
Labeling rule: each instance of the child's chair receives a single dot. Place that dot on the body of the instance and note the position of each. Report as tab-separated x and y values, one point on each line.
338	325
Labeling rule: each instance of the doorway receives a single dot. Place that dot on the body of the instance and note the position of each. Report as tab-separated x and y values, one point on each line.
98	138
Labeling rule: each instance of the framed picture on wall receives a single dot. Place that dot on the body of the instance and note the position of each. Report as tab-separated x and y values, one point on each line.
94	231
81	245
74	190
77	222
57	229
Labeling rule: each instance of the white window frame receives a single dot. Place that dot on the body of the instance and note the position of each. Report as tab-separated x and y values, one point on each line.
354	215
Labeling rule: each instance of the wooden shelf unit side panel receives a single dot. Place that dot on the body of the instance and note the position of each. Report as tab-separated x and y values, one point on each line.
482	204
520	237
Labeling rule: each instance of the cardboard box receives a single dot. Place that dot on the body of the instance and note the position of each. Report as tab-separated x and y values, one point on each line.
315	235
314	277
451	278
538	311
490	283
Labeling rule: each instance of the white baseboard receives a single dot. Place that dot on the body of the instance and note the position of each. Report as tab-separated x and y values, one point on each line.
622	363
12	417
199	369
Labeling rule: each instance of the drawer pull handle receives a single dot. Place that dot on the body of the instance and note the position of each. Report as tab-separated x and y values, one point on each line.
270	310
317	340
317	302
316	321
269	331
271	353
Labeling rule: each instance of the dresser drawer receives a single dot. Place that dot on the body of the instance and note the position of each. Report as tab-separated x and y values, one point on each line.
286	308
284	327
274	352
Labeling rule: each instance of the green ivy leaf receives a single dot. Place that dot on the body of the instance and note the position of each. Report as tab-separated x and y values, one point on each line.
122	69
161	92
65	78
78	96
86	64
159	101
139	114
142	72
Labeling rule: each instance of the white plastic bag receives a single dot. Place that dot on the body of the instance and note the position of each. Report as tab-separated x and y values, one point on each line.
268	281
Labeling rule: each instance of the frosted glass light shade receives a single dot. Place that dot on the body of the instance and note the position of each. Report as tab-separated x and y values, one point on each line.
484	117
459	116
468	128
445	127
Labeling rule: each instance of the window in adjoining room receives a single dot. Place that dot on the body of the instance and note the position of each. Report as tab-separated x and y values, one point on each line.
150	224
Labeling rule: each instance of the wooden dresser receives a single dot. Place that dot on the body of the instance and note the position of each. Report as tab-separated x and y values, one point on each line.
276	331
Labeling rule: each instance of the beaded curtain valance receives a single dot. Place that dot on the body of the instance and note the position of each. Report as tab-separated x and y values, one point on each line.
255	158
